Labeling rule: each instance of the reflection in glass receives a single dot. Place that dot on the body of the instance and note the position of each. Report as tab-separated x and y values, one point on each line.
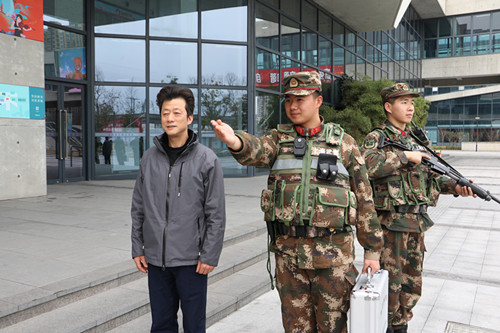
444	47
338	33
266	112
121	60
173	62
224	20
120	17
481	44
75	150
64	54
338	60
481	23
266	27
325	25
67	13
120	126
174	18
291	7
267	75
288	67
310	47
224	65
462	25
462	46
290	38
495	43
325	54
309	15
231	106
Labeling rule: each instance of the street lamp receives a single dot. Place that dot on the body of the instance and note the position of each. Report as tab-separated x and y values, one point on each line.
477	129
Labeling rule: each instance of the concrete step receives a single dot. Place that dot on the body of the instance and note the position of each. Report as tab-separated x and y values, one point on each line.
224	297
246	248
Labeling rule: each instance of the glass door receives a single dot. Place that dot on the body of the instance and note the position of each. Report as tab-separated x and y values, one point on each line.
65	129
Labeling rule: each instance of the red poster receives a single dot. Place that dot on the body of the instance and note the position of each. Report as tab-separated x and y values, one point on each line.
22	18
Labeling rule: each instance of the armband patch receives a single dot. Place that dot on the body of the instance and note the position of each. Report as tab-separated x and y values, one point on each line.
370	143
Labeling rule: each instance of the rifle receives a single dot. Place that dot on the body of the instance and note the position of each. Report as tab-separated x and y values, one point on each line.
440	166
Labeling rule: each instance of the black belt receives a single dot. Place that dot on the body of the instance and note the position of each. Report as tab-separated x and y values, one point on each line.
414	209
305	231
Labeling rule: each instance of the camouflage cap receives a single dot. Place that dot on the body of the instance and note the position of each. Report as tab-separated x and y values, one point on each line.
301	83
396	90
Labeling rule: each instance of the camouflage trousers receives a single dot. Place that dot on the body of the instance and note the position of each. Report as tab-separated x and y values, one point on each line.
314	300
403	256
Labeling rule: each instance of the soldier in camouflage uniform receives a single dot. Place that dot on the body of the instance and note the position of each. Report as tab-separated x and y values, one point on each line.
403	188
317	190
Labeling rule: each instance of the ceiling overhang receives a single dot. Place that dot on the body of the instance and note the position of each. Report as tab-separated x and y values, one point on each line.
363	16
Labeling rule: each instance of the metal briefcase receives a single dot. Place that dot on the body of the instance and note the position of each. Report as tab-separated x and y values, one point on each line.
369	297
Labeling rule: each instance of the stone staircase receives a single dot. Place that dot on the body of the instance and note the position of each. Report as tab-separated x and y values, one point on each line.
115	299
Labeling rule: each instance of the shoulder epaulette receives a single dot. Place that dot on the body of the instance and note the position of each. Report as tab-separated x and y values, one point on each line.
334	133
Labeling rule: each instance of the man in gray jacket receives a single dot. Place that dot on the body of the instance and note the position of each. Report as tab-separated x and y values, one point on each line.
178	216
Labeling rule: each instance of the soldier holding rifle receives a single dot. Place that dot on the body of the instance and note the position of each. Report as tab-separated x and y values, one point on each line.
404	186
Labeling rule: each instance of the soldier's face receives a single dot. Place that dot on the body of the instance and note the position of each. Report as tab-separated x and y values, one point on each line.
400	112
303	110
174	118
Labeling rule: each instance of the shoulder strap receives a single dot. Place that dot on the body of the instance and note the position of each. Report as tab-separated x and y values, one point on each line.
334	134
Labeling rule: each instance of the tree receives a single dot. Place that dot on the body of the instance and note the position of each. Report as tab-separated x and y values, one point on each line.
360	109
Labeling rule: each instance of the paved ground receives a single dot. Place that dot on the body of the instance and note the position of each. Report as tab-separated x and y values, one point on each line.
81	228
461	269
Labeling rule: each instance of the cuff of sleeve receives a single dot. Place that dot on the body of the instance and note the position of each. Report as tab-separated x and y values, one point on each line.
238	135
372	255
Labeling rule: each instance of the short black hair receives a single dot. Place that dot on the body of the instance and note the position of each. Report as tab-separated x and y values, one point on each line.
170	92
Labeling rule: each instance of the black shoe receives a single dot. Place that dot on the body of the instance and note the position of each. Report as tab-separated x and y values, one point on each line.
403	329
389	329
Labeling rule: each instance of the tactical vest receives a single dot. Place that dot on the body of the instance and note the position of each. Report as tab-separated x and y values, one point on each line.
413	186
295	196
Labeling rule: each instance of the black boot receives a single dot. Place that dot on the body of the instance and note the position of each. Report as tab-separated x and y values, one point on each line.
389	329
402	329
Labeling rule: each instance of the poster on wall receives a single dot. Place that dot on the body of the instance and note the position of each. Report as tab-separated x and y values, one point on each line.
21	102
22	18
72	64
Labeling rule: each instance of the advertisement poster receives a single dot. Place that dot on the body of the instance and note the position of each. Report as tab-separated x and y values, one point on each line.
21	102
72	64
22	18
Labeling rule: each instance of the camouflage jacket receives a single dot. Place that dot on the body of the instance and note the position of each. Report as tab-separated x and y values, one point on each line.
396	182
295	196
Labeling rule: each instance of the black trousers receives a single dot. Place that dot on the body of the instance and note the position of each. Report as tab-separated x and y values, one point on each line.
169	287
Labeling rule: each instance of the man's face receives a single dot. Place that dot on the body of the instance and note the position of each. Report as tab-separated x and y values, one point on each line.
401	111
303	110
174	119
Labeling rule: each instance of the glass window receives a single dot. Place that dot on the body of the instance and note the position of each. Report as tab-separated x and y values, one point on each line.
462	25
338	33
444	27
65	54
173	62
430	27
338	60
224	20
266	27
481	44
174	18
120	17
266	112
360	47
325	25
495	43
350	41
121	60
481	23
120	121
267	75
273	3
224	65
69	13
326	86
291	7
325	54
463	46
231	106
350	66
495	22
444	47
290	38
310	47
309	15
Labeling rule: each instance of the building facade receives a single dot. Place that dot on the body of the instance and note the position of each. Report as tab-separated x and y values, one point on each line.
103	62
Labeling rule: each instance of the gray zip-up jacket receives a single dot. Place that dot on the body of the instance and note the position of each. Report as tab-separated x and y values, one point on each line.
178	211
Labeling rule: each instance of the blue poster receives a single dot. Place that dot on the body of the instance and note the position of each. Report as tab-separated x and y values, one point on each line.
21	102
